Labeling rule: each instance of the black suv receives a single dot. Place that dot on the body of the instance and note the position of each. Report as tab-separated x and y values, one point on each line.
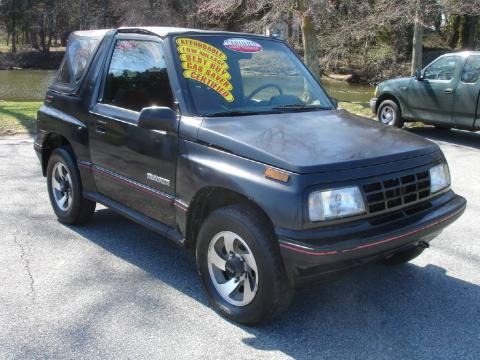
226	144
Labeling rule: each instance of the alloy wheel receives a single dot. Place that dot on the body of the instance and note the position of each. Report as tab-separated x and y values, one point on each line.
387	115
62	186
232	268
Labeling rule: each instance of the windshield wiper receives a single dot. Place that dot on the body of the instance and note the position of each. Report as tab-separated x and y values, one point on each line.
299	107
237	113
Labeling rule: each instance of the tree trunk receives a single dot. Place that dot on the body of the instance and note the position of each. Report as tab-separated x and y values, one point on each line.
34	40
105	9
469	32
14	28
453	28
310	44
417	53
43	35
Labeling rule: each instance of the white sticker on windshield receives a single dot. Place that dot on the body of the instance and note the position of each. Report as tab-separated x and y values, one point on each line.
242	45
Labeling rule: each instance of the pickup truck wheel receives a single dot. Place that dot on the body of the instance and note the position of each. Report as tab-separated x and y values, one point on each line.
403	257
239	262
389	114
65	189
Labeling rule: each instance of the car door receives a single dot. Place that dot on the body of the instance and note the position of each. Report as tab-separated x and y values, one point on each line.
467	94
431	98
132	165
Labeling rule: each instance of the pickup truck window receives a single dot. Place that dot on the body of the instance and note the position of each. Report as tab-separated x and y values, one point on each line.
137	76
471	71
240	76
443	69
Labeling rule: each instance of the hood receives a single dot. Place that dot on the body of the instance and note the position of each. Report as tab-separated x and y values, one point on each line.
312	142
394	83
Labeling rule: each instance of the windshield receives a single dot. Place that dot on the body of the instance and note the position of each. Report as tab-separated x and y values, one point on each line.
229	76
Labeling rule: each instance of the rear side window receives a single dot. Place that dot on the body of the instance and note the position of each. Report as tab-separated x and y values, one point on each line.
471	71
77	56
137	76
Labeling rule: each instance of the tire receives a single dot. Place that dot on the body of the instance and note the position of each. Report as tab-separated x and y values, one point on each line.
250	237
65	189
403	257
389	114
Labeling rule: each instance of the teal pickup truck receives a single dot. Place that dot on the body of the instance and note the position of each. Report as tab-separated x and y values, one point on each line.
444	94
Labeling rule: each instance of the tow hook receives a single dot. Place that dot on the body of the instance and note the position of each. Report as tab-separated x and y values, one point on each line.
423	245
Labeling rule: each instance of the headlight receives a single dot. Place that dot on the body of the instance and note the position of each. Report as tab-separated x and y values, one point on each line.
337	203
439	178
375	93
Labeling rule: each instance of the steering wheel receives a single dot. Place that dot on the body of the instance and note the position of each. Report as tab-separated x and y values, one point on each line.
263	87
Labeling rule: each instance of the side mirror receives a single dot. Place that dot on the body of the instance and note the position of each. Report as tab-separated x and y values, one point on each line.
158	118
419	75
335	102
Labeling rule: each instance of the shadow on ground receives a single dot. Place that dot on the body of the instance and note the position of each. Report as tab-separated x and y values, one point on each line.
457	137
375	312
26	121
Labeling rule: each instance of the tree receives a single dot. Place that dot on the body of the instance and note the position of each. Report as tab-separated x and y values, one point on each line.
257	14
417	50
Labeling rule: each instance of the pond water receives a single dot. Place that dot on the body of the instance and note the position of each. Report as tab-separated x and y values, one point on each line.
24	85
30	85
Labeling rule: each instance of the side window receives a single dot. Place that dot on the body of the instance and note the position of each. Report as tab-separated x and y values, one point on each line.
442	69
78	54
471	72
137	76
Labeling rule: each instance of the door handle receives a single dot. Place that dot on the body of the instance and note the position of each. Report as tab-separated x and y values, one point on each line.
448	91
101	126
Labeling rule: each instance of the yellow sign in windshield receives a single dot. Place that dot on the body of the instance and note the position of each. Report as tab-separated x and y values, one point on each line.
206	64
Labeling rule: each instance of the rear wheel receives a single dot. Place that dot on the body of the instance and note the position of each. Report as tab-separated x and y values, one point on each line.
389	114
240	266
65	189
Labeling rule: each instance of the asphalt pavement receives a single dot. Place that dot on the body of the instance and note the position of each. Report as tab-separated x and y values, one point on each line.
114	290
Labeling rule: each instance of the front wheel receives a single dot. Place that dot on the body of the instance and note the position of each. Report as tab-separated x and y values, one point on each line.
389	114
239	262
65	189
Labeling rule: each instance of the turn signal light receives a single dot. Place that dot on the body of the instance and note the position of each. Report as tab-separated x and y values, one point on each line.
276	175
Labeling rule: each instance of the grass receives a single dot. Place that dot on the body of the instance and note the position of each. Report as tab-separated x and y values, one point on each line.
18	117
357	108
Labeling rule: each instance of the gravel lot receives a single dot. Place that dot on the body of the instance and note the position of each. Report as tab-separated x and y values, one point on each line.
113	289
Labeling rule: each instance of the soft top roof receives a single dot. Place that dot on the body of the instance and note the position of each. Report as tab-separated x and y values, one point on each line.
83	44
161	31
94	34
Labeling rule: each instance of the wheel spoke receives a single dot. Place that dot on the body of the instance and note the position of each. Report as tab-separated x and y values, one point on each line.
56	174
63	170
250	261
55	183
228	240
227	288
217	260
248	293
63	200
69	179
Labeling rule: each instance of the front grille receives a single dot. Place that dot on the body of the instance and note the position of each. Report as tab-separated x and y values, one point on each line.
397	192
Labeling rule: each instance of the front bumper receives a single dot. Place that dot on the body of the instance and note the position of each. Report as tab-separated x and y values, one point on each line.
314	253
373	105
